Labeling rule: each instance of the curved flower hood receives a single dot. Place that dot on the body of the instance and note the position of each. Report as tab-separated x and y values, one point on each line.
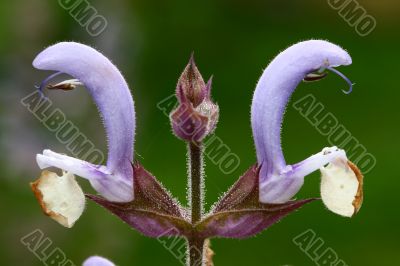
279	182
111	94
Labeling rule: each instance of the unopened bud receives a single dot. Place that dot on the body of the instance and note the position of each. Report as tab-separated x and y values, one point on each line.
191	84
196	115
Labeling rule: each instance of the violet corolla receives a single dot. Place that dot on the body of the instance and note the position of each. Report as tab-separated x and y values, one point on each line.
114	101
341	186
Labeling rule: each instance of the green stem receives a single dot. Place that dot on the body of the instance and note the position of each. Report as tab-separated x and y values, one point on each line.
196	195
195	244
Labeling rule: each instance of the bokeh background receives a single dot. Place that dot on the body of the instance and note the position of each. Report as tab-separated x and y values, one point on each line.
151	41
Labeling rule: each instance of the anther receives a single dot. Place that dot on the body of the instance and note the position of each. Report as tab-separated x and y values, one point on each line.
64	85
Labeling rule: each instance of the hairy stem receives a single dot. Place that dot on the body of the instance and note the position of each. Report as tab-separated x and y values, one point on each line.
195	251
196	194
195	244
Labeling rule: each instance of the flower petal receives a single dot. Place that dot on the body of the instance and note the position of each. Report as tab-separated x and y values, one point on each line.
60	197
281	188
97	261
271	96
341	188
111	95
108	185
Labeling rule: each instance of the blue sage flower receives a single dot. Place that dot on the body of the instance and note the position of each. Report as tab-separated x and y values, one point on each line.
341	186
114	181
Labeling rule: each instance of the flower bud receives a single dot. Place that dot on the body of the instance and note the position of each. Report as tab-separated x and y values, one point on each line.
196	115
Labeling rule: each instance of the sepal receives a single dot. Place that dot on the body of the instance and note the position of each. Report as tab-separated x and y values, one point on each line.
153	212
239	214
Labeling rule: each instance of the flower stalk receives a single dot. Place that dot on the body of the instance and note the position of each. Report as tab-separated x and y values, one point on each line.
196	181
195	244
195	117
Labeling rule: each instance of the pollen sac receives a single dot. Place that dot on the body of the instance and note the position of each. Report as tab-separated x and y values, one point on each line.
60	197
196	115
66	85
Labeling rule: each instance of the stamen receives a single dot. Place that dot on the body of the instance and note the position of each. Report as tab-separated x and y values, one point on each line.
315	76
344	77
65	85
44	82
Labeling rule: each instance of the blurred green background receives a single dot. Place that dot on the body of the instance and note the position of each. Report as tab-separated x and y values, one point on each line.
151	41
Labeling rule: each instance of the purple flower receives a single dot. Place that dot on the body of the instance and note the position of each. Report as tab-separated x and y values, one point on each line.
110	92
97	261
279	182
